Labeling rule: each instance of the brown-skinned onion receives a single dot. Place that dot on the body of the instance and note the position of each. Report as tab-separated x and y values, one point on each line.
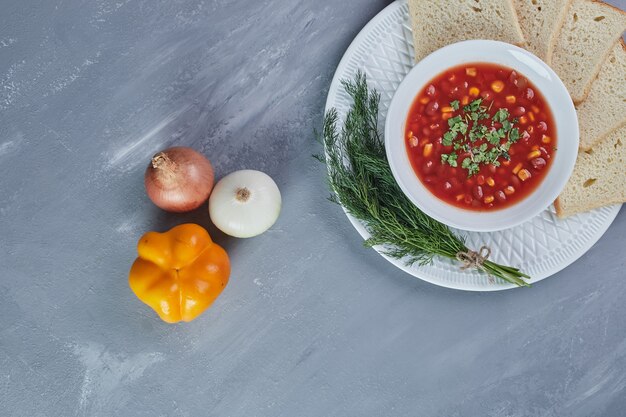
179	179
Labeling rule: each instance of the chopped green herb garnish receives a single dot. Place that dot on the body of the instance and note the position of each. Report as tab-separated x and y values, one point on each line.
450	158
453	121
493	137
448	138
473	106
501	115
485	137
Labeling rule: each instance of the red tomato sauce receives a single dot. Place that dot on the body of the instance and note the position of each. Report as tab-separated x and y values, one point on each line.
495	185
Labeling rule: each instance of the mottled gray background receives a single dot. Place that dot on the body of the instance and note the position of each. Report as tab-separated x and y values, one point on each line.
311	324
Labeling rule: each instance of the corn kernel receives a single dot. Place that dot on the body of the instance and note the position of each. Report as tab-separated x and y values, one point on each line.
534	108
531	116
470	71
488	199
545	139
510	99
413	141
460	197
523	120
534	154
509	190
524	174
446	116
447	109
428	149
517	168
465	100
490	182
530	130
424	100
506	162
410	134
497	86
474	91
535	147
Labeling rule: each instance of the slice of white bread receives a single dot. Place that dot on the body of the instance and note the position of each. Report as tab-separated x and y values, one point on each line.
599	178
541	22
437	23
587	37
604	110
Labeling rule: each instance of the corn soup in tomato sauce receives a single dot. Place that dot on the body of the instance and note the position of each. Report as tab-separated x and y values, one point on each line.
480	136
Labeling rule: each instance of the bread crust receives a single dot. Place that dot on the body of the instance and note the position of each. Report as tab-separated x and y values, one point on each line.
557	30
604	165
601	138
578	100
513	35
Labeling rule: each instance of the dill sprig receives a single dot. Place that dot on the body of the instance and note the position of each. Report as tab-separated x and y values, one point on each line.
363	183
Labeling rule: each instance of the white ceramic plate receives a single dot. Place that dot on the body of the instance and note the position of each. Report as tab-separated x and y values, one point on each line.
541	246
541	76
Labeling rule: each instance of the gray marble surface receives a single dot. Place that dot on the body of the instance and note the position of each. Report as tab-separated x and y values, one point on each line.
311	323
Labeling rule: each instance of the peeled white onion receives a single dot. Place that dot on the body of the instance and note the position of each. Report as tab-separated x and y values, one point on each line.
245	203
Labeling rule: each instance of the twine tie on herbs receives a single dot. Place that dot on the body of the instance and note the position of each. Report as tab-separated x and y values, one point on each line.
472	259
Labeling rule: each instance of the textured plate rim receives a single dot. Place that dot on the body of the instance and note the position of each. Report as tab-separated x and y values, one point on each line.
412	270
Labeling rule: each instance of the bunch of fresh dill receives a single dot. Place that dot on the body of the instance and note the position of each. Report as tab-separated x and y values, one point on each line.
363	183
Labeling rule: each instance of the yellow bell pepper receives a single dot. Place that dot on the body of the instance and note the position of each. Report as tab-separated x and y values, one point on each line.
179	273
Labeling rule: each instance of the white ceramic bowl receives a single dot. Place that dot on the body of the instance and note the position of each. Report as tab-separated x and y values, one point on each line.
525	63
